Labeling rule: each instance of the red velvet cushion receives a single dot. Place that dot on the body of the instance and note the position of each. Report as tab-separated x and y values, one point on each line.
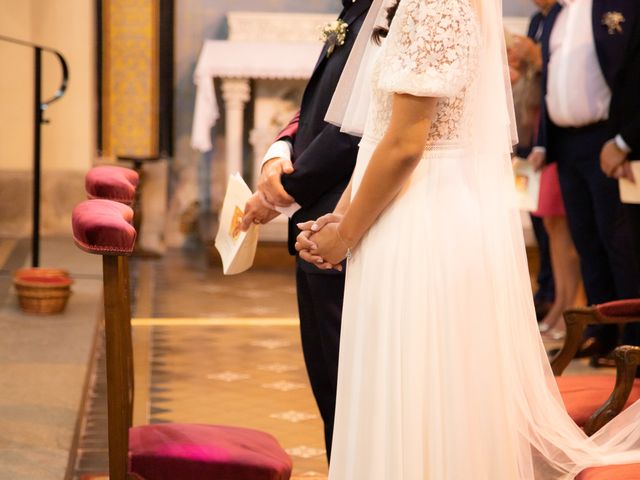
202	452
617	472
112	183
104	227
620	308
583	395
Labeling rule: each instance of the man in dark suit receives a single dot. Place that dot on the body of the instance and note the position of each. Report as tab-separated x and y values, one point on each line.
624	131
624	128
584	49
305	189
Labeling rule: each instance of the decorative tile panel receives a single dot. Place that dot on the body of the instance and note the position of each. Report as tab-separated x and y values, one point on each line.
130	82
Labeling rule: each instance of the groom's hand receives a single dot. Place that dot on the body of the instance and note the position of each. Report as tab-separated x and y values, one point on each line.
257	210
270	181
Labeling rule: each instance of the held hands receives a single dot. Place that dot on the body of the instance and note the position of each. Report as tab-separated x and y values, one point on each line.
320	243
614	162
270	181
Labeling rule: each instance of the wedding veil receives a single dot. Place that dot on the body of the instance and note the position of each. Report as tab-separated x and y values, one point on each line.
350	103
544	440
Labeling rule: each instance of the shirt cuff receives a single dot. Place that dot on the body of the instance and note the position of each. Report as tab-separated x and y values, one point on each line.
290	210
621	144
279	149
539	149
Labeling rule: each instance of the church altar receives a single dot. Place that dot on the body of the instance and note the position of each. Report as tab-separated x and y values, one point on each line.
267	60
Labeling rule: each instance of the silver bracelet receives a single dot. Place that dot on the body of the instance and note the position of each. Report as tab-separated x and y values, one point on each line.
349	254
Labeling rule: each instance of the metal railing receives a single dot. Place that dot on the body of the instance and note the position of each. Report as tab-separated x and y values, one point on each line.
38	119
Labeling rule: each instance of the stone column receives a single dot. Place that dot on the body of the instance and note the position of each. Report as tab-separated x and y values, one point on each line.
236	93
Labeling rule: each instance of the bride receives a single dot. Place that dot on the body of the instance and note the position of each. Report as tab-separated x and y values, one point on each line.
443	375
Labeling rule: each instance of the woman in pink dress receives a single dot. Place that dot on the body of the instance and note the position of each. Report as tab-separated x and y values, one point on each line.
525	58
564	258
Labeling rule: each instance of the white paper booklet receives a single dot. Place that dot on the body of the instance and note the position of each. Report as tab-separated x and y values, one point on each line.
629	191
527	184
237	249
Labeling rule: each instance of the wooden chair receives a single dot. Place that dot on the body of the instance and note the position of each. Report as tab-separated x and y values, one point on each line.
594	400
630	471
167	451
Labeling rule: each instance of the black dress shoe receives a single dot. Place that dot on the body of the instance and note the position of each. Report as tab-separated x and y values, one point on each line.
598	361
590	347
593	347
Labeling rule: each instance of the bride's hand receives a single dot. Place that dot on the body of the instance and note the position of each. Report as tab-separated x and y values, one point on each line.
329	245
304	244
320	223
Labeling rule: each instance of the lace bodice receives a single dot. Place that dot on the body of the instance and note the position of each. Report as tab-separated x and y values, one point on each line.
431	51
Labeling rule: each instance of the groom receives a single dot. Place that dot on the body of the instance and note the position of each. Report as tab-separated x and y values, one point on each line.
303	176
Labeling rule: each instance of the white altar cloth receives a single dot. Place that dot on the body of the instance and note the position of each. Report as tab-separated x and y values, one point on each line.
236	59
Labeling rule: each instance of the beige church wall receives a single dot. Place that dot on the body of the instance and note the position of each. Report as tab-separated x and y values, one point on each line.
68	141
16	96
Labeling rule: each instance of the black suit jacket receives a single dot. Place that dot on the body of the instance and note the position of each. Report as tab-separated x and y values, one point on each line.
536	26
613	52
624	114
324	158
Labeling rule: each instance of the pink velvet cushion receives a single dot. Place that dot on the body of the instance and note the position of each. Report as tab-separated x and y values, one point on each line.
614	472
620	308
104	227
112	183
202	452
583	395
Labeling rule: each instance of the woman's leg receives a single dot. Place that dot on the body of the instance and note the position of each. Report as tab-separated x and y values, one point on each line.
566	270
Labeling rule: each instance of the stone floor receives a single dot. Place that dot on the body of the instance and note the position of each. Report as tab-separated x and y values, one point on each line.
208	349
44	363
226	350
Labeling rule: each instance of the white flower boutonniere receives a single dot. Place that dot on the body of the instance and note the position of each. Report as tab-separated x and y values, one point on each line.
334	34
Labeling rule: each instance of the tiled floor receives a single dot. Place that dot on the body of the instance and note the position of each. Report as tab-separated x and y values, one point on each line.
249	376
221	350
226	350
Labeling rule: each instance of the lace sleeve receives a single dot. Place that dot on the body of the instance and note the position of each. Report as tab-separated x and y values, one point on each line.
430	49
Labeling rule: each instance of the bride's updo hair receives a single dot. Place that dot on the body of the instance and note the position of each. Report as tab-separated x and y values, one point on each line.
381	32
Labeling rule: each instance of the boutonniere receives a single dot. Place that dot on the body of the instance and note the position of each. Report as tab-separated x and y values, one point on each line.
613	21
334	34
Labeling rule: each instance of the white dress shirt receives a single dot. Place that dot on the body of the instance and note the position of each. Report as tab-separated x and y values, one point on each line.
281	149
577	93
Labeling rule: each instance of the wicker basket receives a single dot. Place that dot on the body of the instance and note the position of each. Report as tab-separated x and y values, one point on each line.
42	291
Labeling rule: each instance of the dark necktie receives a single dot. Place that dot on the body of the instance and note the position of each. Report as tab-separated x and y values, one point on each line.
347	3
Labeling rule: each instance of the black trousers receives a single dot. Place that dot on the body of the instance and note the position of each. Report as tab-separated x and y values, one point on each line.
546	288
320	306
598	222
633	213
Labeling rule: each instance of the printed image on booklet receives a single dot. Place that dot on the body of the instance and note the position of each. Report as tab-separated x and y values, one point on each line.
527	184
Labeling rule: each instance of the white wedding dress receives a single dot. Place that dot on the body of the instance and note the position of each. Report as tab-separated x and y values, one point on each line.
443	375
